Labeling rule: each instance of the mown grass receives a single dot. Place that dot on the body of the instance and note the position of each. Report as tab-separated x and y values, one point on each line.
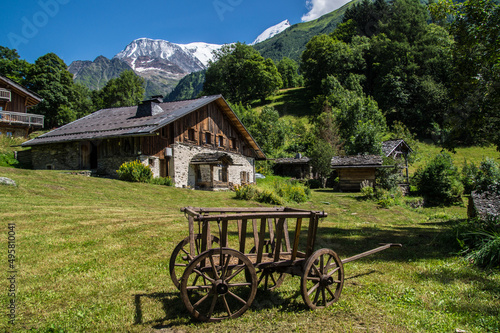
92	256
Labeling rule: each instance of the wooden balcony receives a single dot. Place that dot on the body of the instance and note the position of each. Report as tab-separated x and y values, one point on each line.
19	118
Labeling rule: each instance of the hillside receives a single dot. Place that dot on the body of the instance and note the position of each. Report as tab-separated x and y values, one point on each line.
291	42
92	255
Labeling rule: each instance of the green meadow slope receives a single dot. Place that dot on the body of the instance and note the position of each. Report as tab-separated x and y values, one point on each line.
91	255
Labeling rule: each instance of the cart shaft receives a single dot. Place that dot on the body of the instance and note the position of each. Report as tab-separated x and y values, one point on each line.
367	253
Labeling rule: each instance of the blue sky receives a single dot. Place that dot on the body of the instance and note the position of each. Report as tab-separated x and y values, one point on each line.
85	29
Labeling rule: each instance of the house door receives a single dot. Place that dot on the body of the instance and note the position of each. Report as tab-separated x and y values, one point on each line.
85	156
93	156
88	155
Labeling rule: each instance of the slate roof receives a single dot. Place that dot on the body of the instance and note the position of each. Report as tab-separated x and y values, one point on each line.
389	146
292	160
212	158
357	161
123	122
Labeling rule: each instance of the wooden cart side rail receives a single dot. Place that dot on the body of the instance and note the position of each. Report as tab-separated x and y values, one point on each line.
256	215
208	210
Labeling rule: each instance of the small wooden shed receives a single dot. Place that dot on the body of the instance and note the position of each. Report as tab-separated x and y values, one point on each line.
295	167
353	170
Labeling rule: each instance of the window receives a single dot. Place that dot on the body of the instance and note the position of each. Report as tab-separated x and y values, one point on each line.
9	134
191	134
208	138
223	174
220	141
233	143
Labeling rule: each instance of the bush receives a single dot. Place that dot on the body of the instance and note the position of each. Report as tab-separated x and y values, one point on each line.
291	190
486	177
245	192
313	183
390	178
167	181
8	160
135	171
439	181
269	197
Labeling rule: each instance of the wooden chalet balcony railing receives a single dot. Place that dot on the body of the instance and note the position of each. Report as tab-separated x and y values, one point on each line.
20	118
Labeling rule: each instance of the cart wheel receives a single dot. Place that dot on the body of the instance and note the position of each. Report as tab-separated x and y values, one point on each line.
323	279
214	286
180	257
268	276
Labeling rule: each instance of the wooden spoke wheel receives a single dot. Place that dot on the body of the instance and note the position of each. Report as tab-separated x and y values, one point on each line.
180	257
214	285
323	279
269	278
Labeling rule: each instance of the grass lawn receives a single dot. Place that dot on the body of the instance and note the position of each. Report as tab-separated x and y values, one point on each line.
92	256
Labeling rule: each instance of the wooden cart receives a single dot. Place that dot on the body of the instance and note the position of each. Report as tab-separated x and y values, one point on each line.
218	282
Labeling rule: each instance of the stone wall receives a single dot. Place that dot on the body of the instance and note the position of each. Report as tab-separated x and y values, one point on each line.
59	156
184	153
13	131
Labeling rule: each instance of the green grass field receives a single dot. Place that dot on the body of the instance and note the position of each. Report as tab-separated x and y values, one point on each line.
92	256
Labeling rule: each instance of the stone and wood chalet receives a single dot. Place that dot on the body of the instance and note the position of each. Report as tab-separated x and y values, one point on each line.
353	170
15	100
198	143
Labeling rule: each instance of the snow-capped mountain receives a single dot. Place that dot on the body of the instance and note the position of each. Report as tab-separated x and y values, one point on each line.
156	54
270	32
161	63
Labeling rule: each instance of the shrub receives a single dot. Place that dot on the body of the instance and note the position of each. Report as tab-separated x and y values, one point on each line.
291	190
245	192
486	177
366	190
269	197
135	171
167	181
390	178
8	160
468	176
439	181
313	183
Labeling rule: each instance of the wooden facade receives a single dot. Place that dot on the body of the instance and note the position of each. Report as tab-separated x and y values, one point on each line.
206	127
353	170
14	103
350	179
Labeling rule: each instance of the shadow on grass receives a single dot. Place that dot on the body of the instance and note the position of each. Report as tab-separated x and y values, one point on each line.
430	241
177	315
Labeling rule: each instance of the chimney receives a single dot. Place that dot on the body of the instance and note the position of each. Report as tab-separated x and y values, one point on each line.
149	107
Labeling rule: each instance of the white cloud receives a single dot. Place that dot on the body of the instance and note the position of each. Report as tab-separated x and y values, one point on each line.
319	8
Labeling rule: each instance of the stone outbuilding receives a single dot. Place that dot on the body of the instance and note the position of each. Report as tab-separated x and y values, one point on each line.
198	143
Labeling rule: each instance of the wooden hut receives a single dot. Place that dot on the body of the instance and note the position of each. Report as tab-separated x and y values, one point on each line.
295	167
353	170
